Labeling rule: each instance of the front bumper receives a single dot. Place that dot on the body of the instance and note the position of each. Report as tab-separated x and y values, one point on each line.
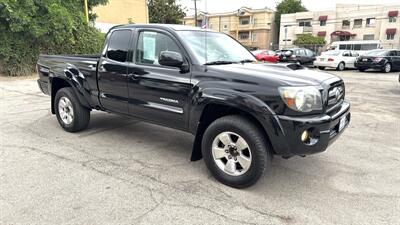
326	127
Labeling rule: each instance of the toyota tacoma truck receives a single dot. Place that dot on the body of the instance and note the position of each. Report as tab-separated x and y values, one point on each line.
241	112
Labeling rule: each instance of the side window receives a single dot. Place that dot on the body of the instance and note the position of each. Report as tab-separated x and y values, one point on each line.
310	53
118	45
354	54
392	53
346	54
151	44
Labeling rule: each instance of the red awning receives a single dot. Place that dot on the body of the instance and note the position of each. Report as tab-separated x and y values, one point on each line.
342	33
393	13
321	33
391	31
323	18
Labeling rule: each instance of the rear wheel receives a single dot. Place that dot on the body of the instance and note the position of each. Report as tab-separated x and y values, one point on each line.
387	68
235	151
321	67
71	115
341	66
361	69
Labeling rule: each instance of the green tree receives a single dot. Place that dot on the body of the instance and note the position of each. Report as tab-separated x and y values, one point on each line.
91	5
286	7
31	27
308	39
165	11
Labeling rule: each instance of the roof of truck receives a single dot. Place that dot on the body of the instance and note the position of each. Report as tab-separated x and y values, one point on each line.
175	27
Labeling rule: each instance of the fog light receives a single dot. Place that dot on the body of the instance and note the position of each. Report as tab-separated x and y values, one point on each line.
305	136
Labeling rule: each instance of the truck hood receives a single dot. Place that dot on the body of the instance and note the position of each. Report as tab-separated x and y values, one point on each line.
271	74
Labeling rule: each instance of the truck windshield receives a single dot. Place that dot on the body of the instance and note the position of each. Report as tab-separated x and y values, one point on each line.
220	48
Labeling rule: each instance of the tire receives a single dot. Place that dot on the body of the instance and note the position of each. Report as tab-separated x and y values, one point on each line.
387	68
341	66
321	67
258	152
361	69
66	103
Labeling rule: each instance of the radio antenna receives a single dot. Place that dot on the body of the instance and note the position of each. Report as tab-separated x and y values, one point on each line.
205	34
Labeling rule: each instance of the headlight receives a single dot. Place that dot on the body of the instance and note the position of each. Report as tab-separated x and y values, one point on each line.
303	99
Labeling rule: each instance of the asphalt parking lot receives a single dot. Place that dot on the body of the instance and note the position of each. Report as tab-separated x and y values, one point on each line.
122	171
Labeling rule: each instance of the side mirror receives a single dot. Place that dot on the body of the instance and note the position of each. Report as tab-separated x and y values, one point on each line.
169	58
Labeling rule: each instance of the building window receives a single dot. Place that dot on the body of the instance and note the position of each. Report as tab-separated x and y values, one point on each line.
225	27
304	23
346	24
322	23
254	37
357	23
390	37
244	35
244	20
370	22
368	37
392	19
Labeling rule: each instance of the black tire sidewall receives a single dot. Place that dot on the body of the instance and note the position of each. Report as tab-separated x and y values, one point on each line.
260	154
68	93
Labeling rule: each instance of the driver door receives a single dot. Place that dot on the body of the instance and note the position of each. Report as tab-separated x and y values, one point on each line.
158	93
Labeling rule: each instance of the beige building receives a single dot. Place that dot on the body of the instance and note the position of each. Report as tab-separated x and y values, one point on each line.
121	12
251	27
345	23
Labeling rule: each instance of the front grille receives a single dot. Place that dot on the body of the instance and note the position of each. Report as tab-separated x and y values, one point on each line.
335	95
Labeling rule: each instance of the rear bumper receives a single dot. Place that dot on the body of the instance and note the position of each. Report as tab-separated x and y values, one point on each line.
325	127
369	65
325	64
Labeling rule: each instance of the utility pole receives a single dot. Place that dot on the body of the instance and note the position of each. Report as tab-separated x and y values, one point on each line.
195	12
86	11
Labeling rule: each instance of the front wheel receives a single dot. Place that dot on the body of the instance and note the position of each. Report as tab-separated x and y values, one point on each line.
71	115
321	67
235	151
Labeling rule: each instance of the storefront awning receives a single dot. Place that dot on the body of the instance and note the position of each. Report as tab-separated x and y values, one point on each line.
323	18
393	13
391	31
342	33
321	33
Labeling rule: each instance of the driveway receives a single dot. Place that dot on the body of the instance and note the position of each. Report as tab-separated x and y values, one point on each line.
123	171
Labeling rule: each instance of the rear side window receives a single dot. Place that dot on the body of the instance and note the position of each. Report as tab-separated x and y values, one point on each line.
392	53
118	45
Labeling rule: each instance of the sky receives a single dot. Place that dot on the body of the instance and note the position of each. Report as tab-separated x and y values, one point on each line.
214	6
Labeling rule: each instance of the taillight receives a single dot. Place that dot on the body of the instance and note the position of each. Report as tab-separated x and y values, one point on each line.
330	60
377	59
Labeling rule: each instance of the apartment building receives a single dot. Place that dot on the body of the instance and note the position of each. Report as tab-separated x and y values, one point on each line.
121	12
252	27
345	23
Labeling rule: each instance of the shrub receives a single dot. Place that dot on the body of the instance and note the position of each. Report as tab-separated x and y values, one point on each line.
31	27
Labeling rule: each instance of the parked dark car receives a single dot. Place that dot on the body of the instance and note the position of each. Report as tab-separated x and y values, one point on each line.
241	112
301	56
381	59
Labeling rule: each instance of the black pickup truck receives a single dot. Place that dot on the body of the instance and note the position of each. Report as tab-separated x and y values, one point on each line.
206	83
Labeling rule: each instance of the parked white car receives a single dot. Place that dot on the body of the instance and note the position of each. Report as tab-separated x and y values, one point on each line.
336	59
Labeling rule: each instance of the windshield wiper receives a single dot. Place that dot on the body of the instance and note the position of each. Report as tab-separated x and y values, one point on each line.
219	62
246	61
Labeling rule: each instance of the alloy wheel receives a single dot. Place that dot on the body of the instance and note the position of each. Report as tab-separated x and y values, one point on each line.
231	153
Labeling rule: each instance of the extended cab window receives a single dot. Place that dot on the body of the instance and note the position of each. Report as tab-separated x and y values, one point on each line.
151	44
118	45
